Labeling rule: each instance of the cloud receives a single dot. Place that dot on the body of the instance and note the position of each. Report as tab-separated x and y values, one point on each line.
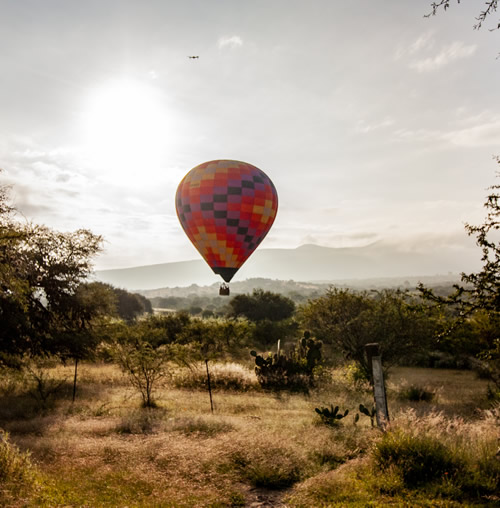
423	42
423	56
476	131
230	42
485	134
448	54
365	128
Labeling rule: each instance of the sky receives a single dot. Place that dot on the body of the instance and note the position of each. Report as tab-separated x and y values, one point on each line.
375	123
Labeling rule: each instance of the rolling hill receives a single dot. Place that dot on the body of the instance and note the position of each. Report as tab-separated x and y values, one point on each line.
305	263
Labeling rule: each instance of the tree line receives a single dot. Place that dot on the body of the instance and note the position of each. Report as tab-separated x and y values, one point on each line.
49	306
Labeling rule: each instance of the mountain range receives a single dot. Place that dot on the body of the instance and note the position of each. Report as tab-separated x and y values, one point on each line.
311	263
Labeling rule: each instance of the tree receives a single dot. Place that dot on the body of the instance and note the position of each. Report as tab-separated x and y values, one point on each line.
349	320
477	300
144	365
80	318
271	313
262	305
131	305
40	273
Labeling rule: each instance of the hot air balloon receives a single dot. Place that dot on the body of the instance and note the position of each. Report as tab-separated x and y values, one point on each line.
226	208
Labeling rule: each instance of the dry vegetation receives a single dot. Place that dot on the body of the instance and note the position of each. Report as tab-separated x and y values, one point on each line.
105	450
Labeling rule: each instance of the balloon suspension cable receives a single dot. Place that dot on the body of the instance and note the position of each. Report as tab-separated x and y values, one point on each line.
224	289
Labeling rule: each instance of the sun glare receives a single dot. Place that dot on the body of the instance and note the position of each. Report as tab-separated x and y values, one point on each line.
125	128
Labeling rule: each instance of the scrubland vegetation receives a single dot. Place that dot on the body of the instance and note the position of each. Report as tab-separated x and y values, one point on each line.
107	450
103	403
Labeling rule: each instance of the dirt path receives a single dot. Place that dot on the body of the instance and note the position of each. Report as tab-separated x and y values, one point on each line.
265	498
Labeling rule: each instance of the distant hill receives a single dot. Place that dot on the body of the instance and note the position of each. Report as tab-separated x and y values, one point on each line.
301	291
308	263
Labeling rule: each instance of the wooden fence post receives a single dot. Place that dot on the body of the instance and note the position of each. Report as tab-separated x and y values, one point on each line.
209	387
377	379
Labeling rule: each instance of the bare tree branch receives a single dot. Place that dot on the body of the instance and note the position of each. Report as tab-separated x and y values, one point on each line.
491	6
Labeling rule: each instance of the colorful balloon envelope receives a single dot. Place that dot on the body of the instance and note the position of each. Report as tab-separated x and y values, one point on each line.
226	209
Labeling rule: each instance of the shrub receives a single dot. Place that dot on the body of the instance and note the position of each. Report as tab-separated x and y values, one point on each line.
12	381
223	376
355	374
271	467
144	365
42	385
16	471
201	427
143	421
416	393
418	458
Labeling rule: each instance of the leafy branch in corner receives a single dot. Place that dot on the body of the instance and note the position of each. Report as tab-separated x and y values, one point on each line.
491	6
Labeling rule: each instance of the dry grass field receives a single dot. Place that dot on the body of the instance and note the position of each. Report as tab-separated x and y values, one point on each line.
257	449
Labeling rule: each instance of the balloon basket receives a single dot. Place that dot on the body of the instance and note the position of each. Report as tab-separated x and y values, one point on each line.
224	289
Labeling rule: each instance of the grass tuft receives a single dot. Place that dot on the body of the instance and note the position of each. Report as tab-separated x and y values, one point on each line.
416	393
198	426
223	376
270	467
141	421
17	473
418	458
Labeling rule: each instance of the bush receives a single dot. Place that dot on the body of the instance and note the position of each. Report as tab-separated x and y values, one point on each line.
16	471
201	427
143	421
416	394
270	467
144	365
418	459
223	376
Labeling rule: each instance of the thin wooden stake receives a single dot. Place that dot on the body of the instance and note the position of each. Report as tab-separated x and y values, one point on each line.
375	360
209	388
74	379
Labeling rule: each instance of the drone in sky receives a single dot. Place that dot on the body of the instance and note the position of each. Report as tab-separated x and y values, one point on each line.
194	56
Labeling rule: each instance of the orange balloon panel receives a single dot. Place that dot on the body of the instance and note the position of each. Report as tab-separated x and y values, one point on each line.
226	209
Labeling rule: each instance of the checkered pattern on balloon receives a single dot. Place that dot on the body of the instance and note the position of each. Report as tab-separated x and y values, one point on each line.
226	209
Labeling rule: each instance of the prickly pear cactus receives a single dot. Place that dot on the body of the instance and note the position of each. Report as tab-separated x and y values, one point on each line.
368	412
331	416
292	371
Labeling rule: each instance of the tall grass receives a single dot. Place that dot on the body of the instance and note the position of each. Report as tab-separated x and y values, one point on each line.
450	461
104	450
223	376
17	474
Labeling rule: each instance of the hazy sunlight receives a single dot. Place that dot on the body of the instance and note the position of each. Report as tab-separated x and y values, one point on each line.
125	128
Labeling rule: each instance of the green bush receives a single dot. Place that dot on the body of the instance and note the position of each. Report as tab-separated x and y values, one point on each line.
144	366
418	459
